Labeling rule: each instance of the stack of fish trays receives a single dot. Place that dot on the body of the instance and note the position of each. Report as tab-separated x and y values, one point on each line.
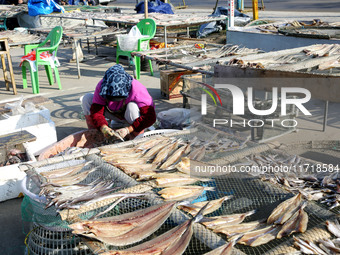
48	233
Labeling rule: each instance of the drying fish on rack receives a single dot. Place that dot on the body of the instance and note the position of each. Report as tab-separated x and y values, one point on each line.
183	192
213	206
324	189
333	227
127	160
322	50
175	180
297	223
70	179
260	236
127	228
70	170
224	249
175	156
239	228
154	150
308	247
285	210
224	221
164	153
71	196
172	242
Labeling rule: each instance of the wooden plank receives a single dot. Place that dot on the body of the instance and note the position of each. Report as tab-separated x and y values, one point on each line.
16	138
37	100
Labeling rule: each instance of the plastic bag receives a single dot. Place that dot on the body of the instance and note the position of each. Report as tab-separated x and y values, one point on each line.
17	109
129	42
41	7
155	6
177	118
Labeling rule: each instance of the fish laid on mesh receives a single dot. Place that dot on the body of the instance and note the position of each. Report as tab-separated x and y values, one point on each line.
70	196
127	228
183	192
324	189
172	242
287	218
322	246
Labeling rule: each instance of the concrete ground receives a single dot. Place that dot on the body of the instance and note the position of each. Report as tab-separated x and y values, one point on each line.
66	113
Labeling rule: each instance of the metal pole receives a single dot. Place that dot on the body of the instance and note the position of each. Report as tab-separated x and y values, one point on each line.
325	116
146	10
255	10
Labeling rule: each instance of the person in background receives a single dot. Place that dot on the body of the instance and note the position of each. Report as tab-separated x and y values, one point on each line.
121	98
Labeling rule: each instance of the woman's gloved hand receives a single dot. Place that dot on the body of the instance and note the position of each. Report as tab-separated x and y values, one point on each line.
123	132
107	132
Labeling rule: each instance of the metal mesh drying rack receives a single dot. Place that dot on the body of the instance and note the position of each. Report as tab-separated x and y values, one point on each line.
249	193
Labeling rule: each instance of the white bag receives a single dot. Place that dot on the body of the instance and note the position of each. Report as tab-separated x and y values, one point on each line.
129	42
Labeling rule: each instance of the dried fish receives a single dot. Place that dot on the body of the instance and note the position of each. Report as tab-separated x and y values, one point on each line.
223	250
174	157
70	180
225	220
285	210
153	151
172	242
260	236
307	247
127	228
184	165
297	223
329	247
183	192
70	170
333	227
175	180
232	230
213	206
164	153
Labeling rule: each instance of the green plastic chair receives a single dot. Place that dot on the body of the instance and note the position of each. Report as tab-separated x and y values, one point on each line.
54	38
146	27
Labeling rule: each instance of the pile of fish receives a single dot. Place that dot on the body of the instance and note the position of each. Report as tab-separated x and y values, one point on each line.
62	187
324	189
326	246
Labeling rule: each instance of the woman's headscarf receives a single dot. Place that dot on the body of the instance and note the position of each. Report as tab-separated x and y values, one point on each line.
116	82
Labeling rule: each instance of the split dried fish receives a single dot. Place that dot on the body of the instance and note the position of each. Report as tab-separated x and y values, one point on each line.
223	250
154	150
297	223
333	227
70	170
260	236
183	192
69	180
285	210
174	157
172	242
164	153
232	230
175	180
225	220
127	228
213	206
307	247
